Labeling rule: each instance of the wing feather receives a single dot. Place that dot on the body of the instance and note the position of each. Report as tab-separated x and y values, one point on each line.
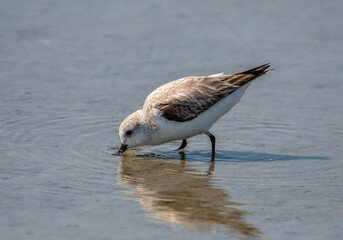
185	99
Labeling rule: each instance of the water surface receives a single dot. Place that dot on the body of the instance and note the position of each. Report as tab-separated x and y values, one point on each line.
70	72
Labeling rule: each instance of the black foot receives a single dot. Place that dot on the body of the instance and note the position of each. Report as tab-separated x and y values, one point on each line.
183	145
213	141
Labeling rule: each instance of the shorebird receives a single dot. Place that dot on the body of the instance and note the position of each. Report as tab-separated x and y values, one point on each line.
185	107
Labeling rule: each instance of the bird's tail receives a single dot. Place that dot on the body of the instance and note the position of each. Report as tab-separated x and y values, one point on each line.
242	78
258	71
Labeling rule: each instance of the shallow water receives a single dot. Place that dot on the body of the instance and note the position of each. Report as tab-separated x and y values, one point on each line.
72	71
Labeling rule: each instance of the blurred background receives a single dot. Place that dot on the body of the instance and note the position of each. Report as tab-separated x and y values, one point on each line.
71	71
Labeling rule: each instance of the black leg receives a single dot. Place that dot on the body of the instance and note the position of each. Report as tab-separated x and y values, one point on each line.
213	141
183	145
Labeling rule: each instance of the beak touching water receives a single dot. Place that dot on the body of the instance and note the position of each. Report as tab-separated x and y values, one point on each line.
123	148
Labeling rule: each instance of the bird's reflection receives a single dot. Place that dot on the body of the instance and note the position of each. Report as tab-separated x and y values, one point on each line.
176	192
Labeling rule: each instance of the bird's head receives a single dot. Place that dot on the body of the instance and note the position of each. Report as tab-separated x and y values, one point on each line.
134	131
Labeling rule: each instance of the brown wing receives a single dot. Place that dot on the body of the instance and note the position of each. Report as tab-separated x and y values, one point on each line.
185	99
186	109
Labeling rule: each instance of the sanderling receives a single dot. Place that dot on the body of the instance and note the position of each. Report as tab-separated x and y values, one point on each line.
185	107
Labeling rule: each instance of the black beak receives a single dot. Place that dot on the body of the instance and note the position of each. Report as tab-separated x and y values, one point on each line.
123	148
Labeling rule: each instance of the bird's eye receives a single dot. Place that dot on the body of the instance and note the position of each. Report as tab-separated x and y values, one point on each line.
128	133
